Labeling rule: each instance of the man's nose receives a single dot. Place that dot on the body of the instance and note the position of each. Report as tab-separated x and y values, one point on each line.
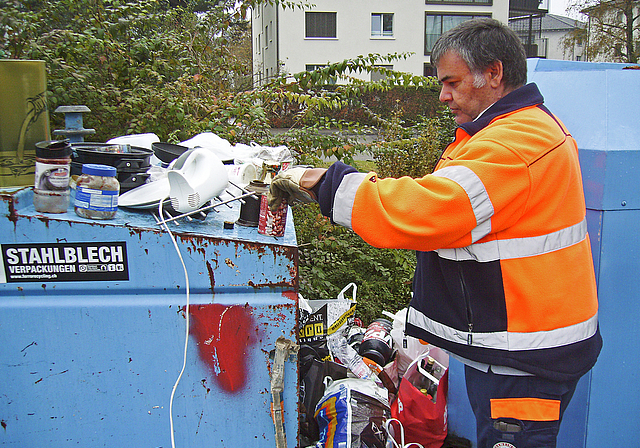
445	94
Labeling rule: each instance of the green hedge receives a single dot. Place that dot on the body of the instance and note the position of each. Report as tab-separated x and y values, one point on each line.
331	257
412	102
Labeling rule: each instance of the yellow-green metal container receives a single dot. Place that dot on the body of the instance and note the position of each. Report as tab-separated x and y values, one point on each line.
24	119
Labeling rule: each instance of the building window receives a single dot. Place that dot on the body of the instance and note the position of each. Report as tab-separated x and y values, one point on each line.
437	24
381	24
320	24
379	75
314	67
459	2
429	70
266	33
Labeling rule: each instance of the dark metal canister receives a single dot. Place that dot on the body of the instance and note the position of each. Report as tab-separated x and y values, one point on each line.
250	209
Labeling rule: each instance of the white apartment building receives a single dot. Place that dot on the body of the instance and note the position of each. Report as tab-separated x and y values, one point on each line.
295	40
610	12
554	29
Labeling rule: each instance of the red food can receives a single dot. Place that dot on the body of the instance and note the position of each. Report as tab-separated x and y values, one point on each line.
272	223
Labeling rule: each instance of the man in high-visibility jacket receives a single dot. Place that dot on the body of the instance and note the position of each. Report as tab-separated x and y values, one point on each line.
504	279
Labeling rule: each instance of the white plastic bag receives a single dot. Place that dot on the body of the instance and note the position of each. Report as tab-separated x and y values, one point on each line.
409	348
321	318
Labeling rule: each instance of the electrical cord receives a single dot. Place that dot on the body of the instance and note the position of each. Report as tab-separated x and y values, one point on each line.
186	337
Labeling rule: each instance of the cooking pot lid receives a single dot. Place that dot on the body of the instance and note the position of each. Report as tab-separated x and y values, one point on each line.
111	151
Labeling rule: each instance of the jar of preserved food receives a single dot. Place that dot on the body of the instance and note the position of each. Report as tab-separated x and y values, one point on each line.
97	191
51	186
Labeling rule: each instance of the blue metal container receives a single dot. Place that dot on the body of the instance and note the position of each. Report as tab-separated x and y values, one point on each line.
600	105
93	329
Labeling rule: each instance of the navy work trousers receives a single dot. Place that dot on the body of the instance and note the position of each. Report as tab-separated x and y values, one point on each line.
517	411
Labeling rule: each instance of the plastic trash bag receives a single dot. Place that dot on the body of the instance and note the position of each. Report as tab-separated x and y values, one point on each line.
321	318
351	414
408	347
423	412
311	391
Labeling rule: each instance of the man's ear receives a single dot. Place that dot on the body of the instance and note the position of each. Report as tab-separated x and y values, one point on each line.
495	73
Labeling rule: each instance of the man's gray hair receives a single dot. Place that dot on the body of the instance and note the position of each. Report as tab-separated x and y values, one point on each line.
481	41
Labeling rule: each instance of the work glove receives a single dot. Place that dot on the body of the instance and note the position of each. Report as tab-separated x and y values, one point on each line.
294	184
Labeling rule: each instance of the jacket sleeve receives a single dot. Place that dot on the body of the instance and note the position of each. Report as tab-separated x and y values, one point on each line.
326	189
454	206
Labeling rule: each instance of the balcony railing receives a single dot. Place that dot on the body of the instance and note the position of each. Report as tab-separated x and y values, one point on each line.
524	5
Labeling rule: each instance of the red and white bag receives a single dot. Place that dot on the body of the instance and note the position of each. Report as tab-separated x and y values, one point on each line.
423	421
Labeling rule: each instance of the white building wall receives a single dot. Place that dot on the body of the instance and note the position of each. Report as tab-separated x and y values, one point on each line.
353	38
264	33
556	50
354	35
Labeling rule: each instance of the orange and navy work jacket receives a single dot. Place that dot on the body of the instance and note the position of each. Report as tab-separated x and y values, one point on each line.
504	270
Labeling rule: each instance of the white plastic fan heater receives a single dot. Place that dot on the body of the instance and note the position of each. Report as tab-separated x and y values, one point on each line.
197	177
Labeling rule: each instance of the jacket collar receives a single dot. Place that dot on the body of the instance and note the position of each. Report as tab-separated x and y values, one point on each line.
525	96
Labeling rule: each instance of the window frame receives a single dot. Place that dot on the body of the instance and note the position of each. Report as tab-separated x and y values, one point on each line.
377	75
308	14
460	2
428	70
314	67
382	34
427	14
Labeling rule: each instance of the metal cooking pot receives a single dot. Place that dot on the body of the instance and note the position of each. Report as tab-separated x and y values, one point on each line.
123	157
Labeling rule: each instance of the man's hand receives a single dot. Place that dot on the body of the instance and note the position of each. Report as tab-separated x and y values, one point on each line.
296	184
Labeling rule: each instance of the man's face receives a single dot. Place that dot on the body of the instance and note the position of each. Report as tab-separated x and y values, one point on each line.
467	94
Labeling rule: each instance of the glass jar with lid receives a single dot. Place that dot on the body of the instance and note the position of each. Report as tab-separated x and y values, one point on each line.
51	187
97	191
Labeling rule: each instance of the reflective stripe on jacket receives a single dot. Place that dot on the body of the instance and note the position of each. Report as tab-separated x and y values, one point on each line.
504	273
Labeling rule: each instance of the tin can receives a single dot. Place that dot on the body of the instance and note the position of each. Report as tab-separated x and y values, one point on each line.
272	223
250	209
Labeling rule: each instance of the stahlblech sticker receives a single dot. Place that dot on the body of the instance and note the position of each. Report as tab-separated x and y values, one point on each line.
64	262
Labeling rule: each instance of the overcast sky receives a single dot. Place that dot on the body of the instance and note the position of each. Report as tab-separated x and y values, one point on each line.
559	7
